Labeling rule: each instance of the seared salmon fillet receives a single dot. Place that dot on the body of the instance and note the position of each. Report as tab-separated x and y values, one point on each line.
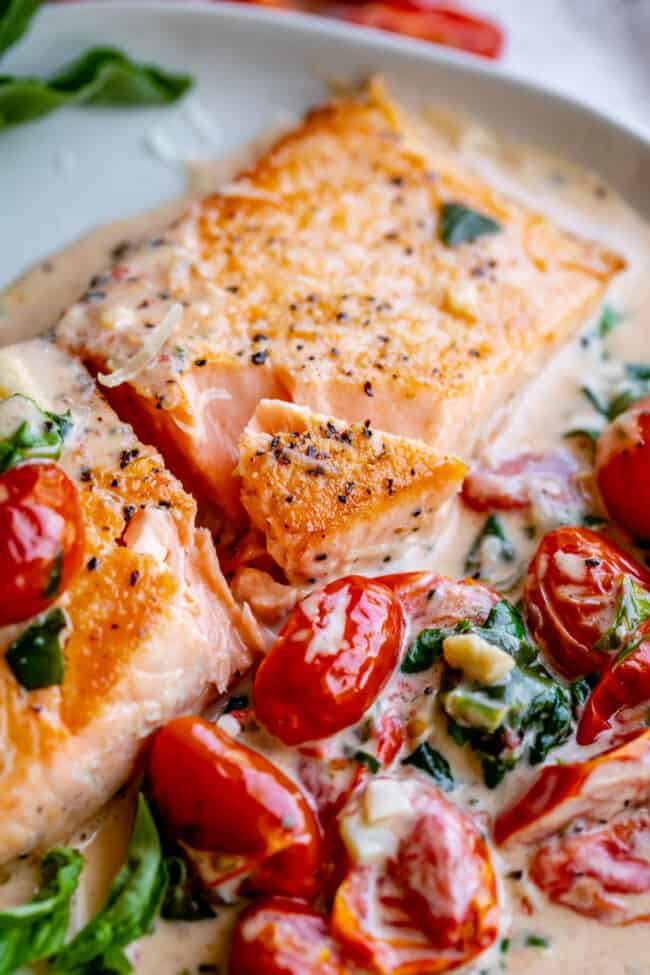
152	630
328	494
327	275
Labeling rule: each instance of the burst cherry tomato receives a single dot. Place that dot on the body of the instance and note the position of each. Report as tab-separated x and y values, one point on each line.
570	595
41	538
279	936
332	658
623	469
218	795
625	684
593	871
431	905
519	481
596	789
429	599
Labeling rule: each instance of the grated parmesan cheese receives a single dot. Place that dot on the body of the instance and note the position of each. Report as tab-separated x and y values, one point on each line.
145	357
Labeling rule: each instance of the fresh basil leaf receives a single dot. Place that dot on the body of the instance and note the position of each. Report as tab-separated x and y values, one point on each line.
434	764
365	758
632	609
608	321
133	903
492	528
101	76
460	224
15	18
183	899
36	657
424	651
54	582
36	930
27	431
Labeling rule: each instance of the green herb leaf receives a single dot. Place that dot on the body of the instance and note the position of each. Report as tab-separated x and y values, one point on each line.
27	431
434	764
424	651
101	76
579	691
536	941
34	931
183	898
54	582
15	17
365	758
36	657
632	609
595	401
133	903
608	321
492	528
459	224
638	370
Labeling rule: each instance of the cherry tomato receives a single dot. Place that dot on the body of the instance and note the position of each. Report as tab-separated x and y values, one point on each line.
431	905
337	650
517	482
570	595
429	599
625	684
596	789
218	795
41	538
279	936
583	870
623	469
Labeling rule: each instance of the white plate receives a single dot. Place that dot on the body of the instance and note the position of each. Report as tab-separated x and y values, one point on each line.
65	173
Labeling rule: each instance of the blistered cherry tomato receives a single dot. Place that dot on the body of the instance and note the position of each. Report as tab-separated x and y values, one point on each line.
429	599
279	936
599	872
570	594
625	684
218	795
41	538
336	652
623	469
517	482
431	905
596	789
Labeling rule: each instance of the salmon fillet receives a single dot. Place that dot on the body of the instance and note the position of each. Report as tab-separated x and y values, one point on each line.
153	629
320	277
328	494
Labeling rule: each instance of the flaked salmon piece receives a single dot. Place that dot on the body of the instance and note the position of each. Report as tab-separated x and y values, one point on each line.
328	494
320	276
153	629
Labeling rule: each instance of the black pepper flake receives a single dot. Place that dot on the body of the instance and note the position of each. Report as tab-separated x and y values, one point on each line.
128	511
92	563
592	563
396	181
133	578
232	289
343	499
115	483
390	486
387	558
120	250
367	432
260	337
342	316
367	388
164	504
98	281
416	513
320	557
334	351
85	474
289	498
200	362
127	456
259	358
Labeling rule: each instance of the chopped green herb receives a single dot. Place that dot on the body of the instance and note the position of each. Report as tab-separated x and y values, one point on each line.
632	609
36	930
365	758
536	941
580	690
608	321
504	946
15	17
492	528
54	582
434	764
460	224
28	432
183	898
132	905
36	657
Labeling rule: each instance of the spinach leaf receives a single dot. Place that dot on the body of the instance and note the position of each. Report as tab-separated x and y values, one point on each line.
54	582
27	431
36	657
608	321
36	930
15	17
579	691
365	758
460	224
639	387
434	764
583	433
238	702
133	903
492	528
183	899
425	650
632	609
101	76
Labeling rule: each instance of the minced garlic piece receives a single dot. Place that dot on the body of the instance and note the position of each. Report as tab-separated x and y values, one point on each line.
479	660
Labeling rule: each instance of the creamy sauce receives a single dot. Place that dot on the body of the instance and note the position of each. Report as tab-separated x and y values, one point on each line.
551	404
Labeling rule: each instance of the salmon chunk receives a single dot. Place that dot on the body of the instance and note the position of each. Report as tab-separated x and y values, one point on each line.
328	494
341	272
152	630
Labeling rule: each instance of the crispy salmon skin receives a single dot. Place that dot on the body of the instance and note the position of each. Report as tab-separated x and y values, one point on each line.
321	276
152	628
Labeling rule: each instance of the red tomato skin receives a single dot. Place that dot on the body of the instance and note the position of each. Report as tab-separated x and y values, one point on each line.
40	519
304	694
507	486
280	936
623	685
218	795
623	469
429	599
557	605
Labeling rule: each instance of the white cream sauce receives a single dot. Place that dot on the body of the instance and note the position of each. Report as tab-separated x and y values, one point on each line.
550	405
